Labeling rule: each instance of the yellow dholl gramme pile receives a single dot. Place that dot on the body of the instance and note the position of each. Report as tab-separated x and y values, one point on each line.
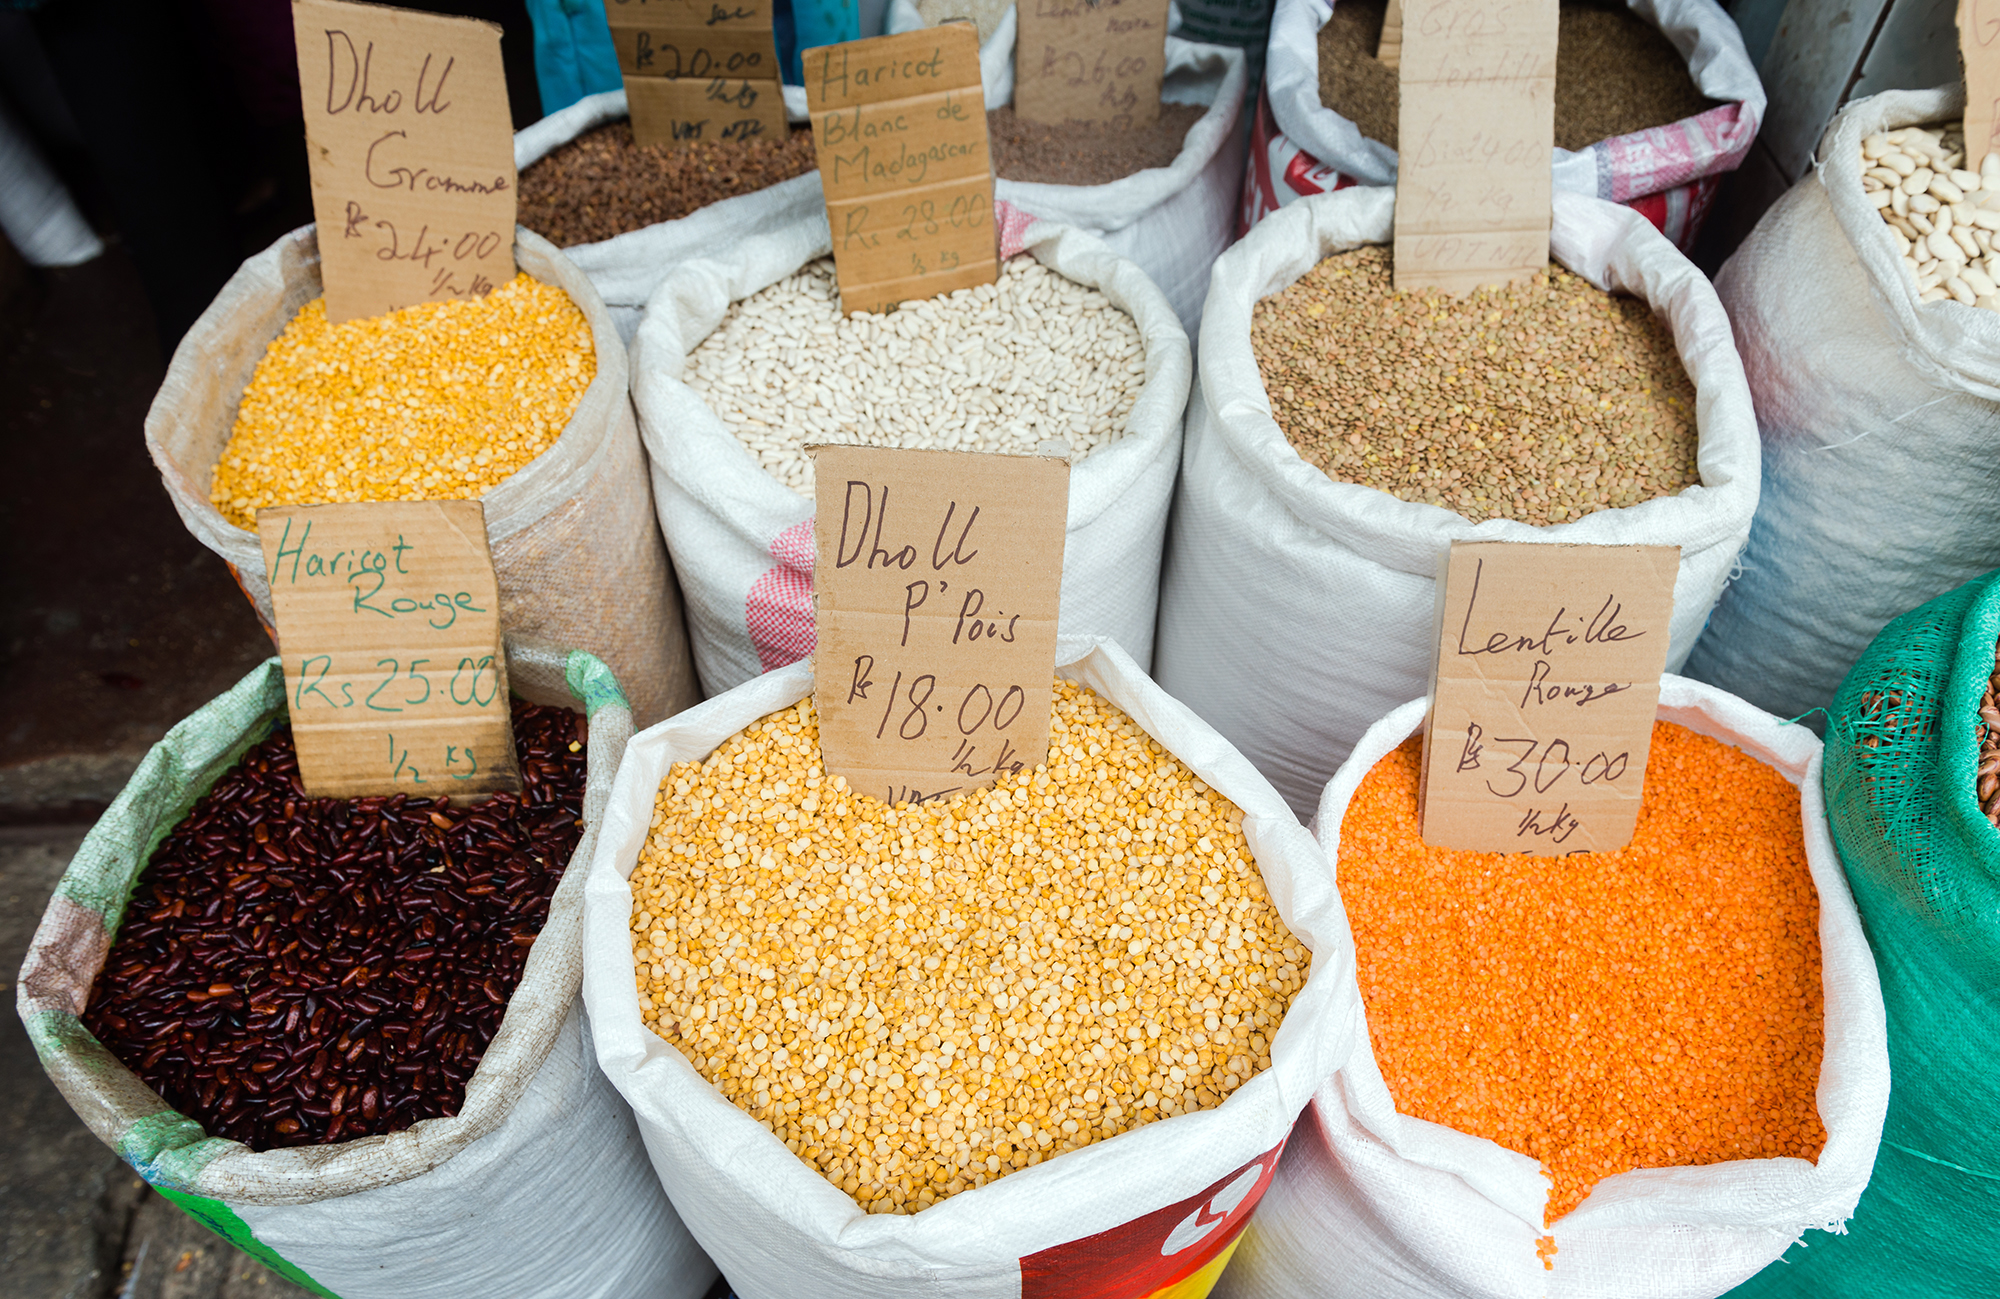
918	1000
439	401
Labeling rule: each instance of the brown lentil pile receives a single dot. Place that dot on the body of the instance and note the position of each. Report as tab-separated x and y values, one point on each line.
1988	778
919	1000
1655	1006
604	183
438	401
1540	402
1085	153
1615	73
295	971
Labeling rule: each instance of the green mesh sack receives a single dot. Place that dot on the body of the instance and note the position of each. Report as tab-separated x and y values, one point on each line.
1901	758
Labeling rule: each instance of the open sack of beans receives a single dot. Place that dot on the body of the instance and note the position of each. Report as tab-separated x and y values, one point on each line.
1655	101
1640	1072
1343	435
517	398
1877	399
1912	797
1163	194
345	1033
625	214
744	359
1043	1039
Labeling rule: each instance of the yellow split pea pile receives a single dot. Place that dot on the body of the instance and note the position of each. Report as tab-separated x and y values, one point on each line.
918	1000
439	401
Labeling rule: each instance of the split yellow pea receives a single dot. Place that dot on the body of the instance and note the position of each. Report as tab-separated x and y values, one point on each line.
919	1000
438	401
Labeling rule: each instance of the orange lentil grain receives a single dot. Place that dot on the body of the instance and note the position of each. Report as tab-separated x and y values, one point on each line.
1655	1006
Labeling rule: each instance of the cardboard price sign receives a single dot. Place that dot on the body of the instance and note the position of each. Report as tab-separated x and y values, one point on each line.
937	587
1390	48
698	71
411	147
1475	142
389	625
1543	695
899	128
1090	61
1979	47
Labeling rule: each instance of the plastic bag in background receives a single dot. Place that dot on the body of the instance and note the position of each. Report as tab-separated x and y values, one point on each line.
1330	586
1369	1202
1669	173
625	269
1246	24
36	212
1902	766
1151	1212
575	544
744	541
1878	415
1173	221
538	1186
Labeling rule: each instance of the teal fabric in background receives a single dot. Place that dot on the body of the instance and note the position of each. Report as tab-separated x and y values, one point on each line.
573	54
818	22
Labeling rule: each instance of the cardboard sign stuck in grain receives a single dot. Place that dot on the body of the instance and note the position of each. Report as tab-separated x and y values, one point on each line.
1544	689
1979	47
1475	141
1096	61
936	590
698	71
389	626
411	147
899	126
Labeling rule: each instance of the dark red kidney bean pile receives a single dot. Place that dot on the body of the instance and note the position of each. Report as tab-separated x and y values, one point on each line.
294	970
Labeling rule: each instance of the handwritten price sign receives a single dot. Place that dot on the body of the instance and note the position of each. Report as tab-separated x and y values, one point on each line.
411	147
1546	684
938	581
1090	61
697	69
389	625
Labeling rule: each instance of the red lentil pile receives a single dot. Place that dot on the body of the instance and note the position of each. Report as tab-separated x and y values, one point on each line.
1651	1007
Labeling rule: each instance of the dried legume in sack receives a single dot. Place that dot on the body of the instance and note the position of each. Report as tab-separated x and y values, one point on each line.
437	401
1000	367
1988	778
918	1000
604	183
1085	153
1616	73
1941	215
1656	1006
297	970
1540	402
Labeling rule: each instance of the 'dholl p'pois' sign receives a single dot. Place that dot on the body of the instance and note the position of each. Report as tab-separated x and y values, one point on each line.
411	147
389	626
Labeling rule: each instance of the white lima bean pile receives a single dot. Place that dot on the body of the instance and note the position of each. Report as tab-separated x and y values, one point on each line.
1943	217
1001	367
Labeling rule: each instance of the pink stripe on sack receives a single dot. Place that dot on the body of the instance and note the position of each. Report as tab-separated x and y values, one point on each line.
1013	223
1647	162
779	608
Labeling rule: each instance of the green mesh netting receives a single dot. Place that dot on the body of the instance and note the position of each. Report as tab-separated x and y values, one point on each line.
1924	864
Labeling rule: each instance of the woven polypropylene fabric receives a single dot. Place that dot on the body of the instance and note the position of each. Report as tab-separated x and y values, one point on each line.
1924	864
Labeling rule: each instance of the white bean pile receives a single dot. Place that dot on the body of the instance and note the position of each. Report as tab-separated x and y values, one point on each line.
1944	217
1002	367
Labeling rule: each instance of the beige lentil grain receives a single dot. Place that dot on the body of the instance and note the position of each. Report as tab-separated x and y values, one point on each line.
1540	402
438	401
919	1000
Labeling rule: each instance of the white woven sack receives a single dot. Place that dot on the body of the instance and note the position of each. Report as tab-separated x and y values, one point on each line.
743	541
1175	220
575	544
1369	1202
1878	415
1334	583
1620	168
538	1187
625	269
779	1230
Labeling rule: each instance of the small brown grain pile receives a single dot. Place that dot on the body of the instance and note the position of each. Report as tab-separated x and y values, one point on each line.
603	183
1540	402
1989	745
1651	1007
1615	73
1078	153
919	1000
437	401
